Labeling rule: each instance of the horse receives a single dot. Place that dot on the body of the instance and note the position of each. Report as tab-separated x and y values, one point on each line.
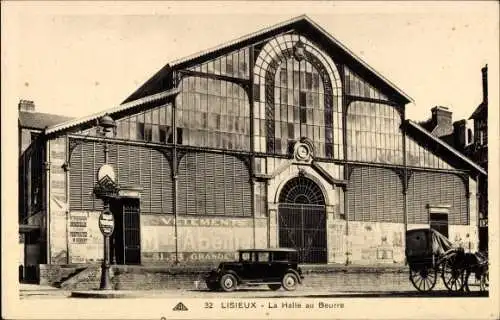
476	263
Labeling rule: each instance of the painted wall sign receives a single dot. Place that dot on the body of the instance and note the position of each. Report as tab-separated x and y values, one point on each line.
161	238
86	240
78	228
152	220
189	256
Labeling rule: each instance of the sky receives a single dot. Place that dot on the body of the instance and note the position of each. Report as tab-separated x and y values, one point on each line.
77	59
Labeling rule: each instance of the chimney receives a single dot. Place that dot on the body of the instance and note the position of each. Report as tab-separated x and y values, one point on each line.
441	116
460	139
484	71
26	105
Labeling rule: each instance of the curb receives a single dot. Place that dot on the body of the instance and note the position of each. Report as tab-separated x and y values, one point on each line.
104	294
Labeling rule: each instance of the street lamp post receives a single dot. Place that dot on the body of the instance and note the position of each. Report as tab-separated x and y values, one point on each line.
105	189
106	224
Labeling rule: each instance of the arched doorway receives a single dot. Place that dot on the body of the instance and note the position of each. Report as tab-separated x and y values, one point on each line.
302	220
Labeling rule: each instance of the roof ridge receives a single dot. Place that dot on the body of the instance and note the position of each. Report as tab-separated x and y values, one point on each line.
295	19
238	39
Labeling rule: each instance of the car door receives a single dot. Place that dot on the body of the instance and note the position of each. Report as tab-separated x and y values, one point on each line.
278	266
262	266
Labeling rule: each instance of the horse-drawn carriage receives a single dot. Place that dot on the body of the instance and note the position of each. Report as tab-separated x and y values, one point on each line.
430	254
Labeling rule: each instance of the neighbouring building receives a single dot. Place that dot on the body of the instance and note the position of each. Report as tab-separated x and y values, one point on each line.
472	142
282	138
479	153
32	186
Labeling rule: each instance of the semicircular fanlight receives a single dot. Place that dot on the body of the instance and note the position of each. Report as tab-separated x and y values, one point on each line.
302	190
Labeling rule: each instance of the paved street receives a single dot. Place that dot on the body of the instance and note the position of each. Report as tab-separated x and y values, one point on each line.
316	286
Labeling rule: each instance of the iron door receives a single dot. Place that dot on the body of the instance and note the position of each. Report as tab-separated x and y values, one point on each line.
131	231
303	227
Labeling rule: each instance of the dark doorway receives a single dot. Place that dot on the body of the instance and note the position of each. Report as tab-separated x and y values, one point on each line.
126	239
439	222
302	220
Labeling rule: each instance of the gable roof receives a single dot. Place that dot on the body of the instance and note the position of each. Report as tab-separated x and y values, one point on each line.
155	88
458	155
40	120
303	23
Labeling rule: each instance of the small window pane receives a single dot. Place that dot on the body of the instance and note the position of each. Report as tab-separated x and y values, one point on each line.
155	133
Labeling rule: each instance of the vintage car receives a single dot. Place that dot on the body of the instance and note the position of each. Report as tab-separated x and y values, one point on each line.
275	268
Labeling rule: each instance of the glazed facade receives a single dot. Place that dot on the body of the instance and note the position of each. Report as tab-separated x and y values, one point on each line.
278	143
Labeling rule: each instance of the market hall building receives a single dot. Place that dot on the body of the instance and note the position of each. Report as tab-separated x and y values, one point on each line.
282	138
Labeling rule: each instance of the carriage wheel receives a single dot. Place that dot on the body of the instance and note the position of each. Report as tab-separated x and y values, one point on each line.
453	274
423	278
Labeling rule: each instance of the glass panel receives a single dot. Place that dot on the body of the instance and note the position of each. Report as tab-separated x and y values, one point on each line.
374	125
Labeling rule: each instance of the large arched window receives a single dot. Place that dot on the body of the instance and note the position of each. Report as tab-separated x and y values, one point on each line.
298	95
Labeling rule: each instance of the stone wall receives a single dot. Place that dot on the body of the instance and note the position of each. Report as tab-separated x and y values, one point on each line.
376	243
58	206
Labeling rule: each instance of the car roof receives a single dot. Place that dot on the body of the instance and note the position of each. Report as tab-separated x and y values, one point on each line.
269	250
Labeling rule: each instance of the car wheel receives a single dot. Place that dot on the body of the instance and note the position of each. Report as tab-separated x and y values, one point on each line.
274	286
228	282
212	286
289	281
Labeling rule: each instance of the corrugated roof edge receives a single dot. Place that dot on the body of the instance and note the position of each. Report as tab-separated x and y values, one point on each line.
284	23
121	107
447	146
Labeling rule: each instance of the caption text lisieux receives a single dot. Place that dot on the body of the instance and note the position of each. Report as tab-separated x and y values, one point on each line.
236	304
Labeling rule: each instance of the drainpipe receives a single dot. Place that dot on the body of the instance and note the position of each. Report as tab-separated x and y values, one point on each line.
345	106
47	197
405	174
67	173
252	147
174	171
268	215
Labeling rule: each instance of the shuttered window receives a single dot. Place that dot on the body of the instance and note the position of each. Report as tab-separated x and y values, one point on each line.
436	188
375	194
134	165
213	184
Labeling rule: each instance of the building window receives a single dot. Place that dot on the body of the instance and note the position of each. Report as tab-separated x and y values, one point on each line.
213	113
373	133
356	86
152	125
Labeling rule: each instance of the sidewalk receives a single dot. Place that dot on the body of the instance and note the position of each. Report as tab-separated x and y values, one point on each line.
30	287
